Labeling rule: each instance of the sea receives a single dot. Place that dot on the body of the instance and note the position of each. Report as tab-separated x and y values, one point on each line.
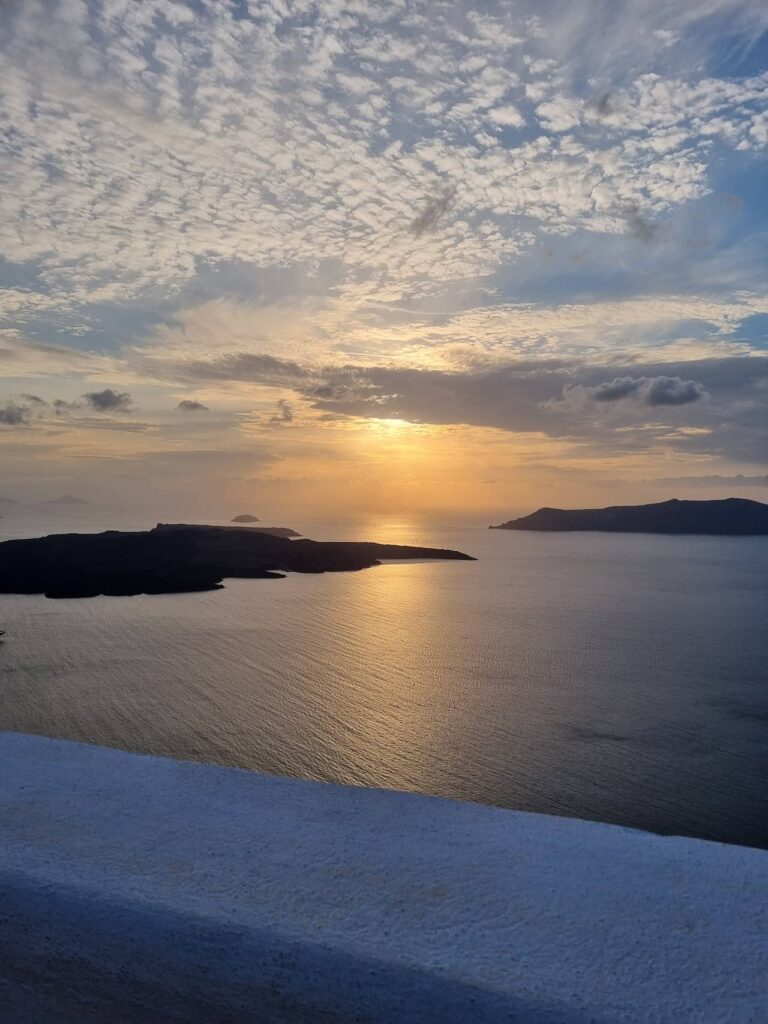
615	677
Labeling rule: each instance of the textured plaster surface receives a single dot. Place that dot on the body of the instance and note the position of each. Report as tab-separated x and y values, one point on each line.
138	888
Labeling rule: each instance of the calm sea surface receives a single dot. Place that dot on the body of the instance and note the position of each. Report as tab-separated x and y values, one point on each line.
620	678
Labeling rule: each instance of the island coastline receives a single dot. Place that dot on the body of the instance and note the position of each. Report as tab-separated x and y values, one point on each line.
180	558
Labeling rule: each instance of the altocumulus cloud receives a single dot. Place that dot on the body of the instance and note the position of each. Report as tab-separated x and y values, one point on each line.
190	405
450	87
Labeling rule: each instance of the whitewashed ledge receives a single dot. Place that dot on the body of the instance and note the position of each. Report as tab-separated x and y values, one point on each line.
144	889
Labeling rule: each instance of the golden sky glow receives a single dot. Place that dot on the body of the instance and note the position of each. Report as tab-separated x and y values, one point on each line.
466	263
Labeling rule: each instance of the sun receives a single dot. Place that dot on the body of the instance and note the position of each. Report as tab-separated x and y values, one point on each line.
389	427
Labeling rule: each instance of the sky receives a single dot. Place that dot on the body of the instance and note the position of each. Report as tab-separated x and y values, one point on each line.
383	255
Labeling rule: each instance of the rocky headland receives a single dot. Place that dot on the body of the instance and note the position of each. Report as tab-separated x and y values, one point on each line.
726	517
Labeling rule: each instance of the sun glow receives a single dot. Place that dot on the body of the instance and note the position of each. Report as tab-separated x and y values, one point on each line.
390	427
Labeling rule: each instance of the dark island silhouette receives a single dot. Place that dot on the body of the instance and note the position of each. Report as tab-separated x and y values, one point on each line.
175	558
245	518
272	531
733	517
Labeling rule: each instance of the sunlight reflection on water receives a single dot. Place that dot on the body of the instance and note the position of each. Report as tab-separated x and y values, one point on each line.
613	677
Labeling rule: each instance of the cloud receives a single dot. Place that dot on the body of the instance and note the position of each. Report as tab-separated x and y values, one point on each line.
667	37
553	398
234	340
430	217
13	415
190	405
101	424
22	357
713	480
35	411
109	400
62	408
673	391
238	134
559	396
602	105
243	366
639	226
615	390
285	415
506	117
651	391
31	410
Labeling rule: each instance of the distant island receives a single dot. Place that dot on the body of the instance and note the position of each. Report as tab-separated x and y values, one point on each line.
66	499
8	501
245	518
734	517
174	558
